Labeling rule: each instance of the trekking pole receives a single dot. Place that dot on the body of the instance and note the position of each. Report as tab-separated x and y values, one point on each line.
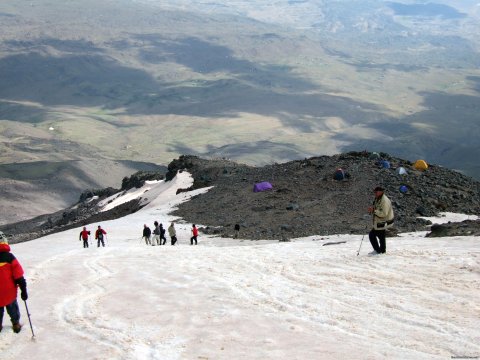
29	320
358	252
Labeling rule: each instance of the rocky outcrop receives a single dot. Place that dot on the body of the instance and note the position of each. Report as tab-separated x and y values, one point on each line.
305	199
464	228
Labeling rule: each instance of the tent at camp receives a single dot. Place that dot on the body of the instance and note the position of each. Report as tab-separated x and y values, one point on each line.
401	171
262	186
374	156
384	164
339	174
420	165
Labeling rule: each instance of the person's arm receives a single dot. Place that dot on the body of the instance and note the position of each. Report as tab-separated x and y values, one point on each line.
22	284
17	273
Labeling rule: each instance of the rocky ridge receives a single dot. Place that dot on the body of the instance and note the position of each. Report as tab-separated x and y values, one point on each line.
305	199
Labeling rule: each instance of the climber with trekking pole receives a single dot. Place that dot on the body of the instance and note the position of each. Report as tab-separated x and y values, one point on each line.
383	218
11	278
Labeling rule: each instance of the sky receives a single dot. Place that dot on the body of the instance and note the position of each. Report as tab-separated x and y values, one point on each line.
241	299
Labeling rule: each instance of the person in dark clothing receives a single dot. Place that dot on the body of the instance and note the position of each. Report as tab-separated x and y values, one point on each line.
162	235
11	278
84	236
194	235
237	231
99	236
156	234
146	234
382	212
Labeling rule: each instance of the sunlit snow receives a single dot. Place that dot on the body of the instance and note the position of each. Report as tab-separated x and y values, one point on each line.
241	299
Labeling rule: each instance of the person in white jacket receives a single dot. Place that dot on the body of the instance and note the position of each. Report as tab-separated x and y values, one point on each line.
382	212
173	233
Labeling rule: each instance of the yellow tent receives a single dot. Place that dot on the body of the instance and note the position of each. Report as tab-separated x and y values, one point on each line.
420	165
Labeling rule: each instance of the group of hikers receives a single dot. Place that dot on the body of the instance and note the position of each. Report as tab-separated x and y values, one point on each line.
11	272
100	235
159	234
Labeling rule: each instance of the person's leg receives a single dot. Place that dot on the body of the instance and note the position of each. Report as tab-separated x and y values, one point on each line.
373	240
14	312
382	238
191	240
103	243
1	317
195	238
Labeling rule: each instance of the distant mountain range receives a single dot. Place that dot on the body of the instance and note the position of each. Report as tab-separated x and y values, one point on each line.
254	81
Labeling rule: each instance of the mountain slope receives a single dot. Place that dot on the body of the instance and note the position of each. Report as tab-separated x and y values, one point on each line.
234	299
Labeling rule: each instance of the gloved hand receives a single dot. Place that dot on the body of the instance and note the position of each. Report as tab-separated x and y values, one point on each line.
22	284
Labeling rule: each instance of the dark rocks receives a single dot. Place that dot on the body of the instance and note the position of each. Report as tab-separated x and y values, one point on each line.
138	179
322	205
464	228
305	199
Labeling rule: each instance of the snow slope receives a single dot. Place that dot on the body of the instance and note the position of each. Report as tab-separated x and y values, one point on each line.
234	299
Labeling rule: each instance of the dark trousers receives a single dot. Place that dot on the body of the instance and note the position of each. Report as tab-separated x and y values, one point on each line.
378	247
85	243
193	238
13	311
100	241
173	240
162	237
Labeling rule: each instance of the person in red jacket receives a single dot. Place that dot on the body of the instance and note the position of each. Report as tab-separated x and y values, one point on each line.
194	235
11	277
84	236
99	236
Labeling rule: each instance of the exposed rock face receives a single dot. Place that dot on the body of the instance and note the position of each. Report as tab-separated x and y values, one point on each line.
464	228
305	199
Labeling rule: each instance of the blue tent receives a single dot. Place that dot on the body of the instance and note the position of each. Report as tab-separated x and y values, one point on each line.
384	164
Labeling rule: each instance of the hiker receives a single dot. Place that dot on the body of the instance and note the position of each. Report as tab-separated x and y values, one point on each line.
11	277
382	212
162	235
84	236
194	235
237	231
172	233
99	236
146	234
156	234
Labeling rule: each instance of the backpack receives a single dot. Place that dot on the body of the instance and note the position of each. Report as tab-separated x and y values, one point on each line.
100	235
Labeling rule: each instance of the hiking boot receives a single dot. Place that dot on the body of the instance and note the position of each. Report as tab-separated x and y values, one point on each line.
16	328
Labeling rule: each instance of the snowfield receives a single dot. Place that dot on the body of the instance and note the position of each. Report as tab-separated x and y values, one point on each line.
234	299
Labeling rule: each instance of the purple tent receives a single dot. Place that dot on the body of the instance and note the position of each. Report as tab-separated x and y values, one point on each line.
262	186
